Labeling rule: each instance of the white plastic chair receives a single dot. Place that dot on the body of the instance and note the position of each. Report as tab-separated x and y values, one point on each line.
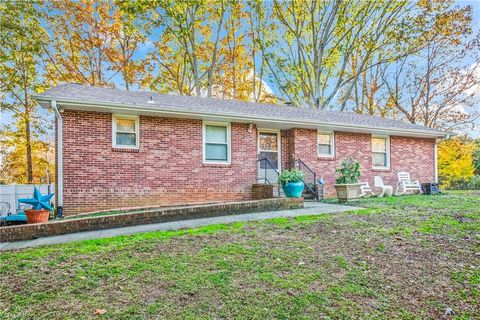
365	190
4	212
405	184
4	209
386	189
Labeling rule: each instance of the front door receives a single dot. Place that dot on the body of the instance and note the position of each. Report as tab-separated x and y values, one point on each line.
269	148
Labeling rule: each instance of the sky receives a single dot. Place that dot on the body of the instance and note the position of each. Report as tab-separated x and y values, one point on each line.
6	118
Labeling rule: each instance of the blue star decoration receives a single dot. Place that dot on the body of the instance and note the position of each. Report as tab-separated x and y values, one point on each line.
38	201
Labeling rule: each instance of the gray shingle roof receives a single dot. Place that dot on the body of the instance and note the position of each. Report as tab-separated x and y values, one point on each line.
139	99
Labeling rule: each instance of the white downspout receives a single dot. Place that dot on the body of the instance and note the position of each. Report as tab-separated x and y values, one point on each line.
59	181
435	161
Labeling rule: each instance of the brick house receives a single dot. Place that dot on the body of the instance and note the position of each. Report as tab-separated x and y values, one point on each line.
118	148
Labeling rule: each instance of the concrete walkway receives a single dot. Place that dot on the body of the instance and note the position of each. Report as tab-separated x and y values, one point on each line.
311	208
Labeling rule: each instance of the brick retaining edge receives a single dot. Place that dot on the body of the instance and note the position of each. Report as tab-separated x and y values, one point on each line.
59	227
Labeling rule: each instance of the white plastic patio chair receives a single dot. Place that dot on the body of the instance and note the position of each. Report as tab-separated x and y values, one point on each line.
386	189
365	190
4	209
406	185
4	212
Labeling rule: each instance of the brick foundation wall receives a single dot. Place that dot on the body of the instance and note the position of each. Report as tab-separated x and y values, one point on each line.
32	231
415	155
167	169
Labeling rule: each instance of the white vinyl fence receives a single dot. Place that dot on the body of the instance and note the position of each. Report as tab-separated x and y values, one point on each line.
10	193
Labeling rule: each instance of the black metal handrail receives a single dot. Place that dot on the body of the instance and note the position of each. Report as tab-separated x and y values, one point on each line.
270	174
310	177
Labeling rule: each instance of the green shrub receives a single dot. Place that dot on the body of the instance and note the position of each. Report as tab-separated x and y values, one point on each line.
475	183
349	172
293	175
472	183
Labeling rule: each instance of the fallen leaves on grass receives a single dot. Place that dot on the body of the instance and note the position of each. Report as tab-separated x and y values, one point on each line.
100	311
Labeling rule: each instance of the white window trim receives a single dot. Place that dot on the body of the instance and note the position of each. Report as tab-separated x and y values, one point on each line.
114	131
229	141
387	149
332	147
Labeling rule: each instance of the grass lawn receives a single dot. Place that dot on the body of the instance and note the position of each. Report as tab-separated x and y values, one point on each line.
408	258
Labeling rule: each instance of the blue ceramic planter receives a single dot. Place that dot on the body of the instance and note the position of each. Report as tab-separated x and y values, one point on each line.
293	189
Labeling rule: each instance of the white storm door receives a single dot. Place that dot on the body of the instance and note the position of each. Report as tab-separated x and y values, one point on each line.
269	148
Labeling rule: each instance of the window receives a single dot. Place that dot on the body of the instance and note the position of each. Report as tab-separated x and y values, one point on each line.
216	140
326	144
381	152
125	131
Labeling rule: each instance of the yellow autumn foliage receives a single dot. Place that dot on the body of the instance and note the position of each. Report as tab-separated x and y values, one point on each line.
455	161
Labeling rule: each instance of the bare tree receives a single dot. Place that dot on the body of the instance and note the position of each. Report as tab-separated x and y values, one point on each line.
439	86
189	42
318	39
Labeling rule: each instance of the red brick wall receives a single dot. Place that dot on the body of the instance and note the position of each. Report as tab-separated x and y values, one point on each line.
415	155
167	169
287	144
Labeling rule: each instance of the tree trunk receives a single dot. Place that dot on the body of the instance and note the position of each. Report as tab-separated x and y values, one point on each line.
125	78
29	151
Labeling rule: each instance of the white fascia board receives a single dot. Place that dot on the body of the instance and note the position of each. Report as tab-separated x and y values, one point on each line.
277	122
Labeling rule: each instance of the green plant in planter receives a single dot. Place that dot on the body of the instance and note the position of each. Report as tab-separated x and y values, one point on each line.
349	172
292	184
292	175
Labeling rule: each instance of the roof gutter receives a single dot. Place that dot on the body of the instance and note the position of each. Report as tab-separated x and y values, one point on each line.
174	112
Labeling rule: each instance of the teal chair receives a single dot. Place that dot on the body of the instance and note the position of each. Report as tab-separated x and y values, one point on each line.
18	218
7	218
